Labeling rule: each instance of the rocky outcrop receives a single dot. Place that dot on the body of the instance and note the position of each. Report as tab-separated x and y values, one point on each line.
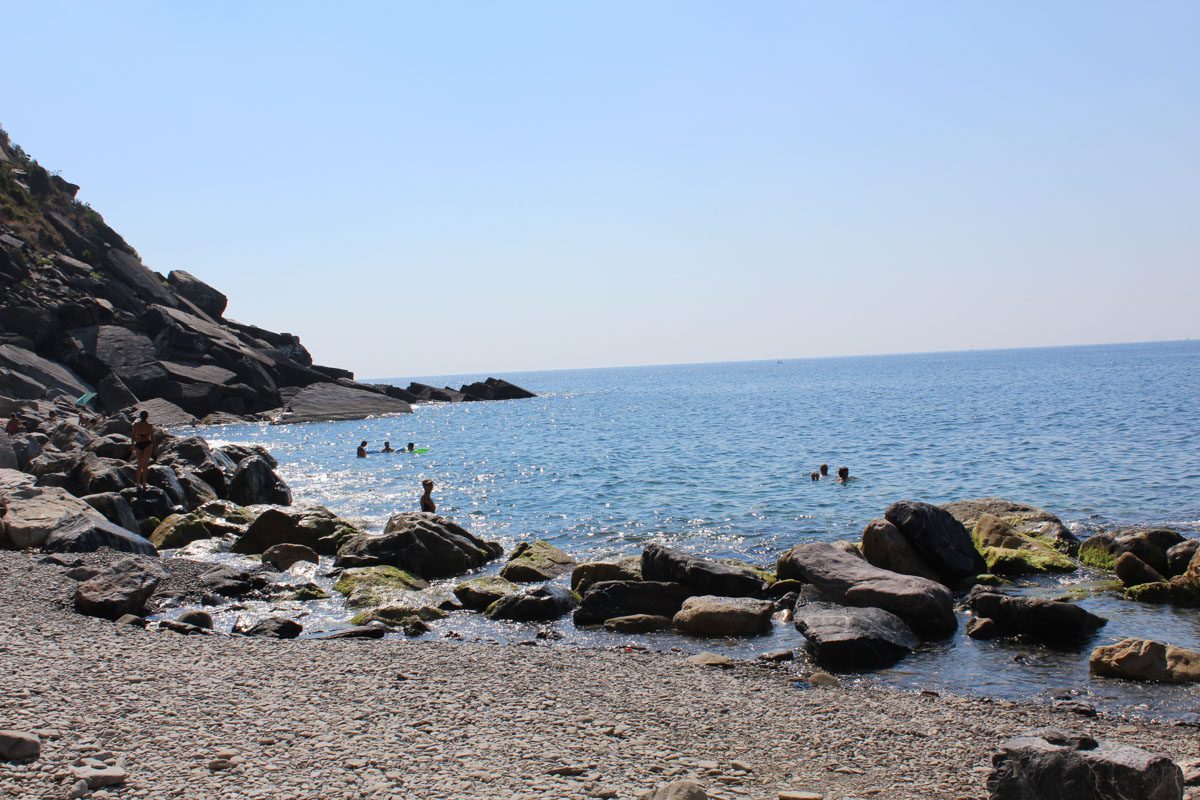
122	588
1024	519
494	389
608	599
885	547
424	544
316	527
254	483
1053	765
534	605
1150	545
940	539
1037	617
707	615
701	575
1144	660
846	639
536	561
925	606
1006	551
332	401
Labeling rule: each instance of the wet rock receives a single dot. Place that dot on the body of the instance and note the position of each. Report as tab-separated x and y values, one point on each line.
589	572
270	628
230	581
238	453
1008	552
1053	765
847	639
638	623
1144	660
122	588
377	586
1180	555
608	599
982	628
199	619
925	606
479	593
885	547
708	615
358	632
1133	571
940	539
702	576
536	561
1040	618
282	556
1028	520
534	605
424	544
1149	544
256	483
178	530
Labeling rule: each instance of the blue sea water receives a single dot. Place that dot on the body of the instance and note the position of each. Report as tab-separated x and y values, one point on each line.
715	458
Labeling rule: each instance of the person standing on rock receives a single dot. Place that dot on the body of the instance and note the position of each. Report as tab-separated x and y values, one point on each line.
14	425
427	498
143	445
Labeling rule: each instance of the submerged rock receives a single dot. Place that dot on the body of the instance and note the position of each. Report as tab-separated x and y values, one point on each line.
536	561
925	606
377	586
1144	660
1049	764
703	576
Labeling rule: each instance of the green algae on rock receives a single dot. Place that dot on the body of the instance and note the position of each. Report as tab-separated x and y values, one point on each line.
376	586
1010	552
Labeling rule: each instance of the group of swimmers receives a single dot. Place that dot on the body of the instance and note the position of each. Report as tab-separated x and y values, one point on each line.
822	474
387	448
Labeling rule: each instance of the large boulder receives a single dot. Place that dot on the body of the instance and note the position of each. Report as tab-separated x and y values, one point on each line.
192	454
114	508
178	530
95	475
608	599
378	586
122	588
271	628
29	370
939	538
283	556
846	639
1132	571
479	593
1144	660
885	547
1148	544
198	293
316	527
164	478
1025	519
536	562
724	616
332	401
534	605
623	569
1052	765
494	389
1006	551
703	576
149	501
50	518
1037	617
924	605
422	543
254	483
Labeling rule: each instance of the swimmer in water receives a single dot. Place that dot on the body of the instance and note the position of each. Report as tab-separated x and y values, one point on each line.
844	475
362	449
816	476
387	447
824	470
411	447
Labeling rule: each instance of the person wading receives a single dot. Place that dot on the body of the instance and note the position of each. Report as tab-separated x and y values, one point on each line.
143	445
427	498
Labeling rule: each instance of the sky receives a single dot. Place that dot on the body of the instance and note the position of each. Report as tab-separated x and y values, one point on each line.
428	189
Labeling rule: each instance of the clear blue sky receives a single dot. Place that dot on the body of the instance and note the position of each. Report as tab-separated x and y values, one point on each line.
421	188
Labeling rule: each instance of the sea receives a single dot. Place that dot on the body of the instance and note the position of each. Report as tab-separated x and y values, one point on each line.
716	459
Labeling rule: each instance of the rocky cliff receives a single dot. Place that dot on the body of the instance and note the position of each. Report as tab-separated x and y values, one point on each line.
80	312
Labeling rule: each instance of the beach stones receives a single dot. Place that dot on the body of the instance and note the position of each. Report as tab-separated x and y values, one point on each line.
1049	764
940	539
535	562
424	544
270	628
121	589
845	639
1048	620
533	605
1144	660
680	790
707	615
925	606
608	599
702	576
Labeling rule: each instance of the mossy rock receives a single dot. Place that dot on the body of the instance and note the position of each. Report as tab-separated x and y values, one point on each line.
305	593
228	511
1010	552
1179	591
990	579
376	586
1099	552
1085	590
397	614
479	593
536	561
179	530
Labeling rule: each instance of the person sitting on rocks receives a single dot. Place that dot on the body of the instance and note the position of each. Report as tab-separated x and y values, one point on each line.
362	449
14	425
143	445
427	498
844	475
387	447
824	470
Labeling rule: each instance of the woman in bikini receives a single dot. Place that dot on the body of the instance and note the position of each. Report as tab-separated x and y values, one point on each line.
143	446
427	498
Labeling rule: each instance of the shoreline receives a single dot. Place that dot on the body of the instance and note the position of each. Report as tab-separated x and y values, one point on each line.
433	719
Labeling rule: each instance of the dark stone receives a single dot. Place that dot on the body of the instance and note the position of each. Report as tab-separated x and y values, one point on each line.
272	628
1048	764
83	535
197	292
358	632
661	563
846	639
229	581
115	508
122	588
607	599
200	619
240	452
495	389
638	623
424	544
1025	519
317	528
1049	620
148	501
282	556
331	401
540	604
925	606
254	482
1133	571
164	478
1180	555
940	539
192	454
